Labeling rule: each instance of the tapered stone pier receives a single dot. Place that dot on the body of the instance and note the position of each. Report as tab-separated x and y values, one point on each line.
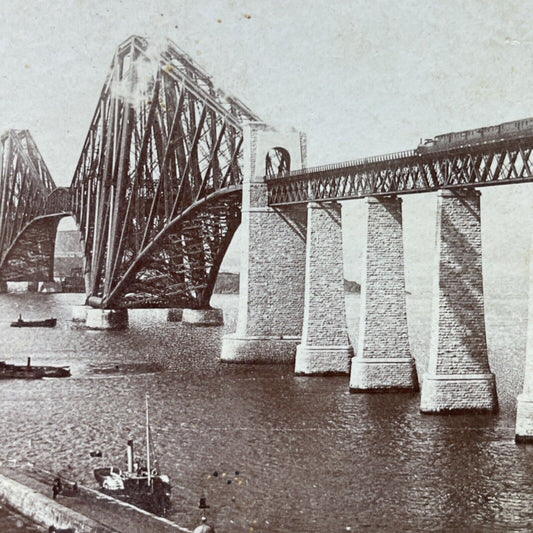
458	377
272	281
325	347
383	361
524	407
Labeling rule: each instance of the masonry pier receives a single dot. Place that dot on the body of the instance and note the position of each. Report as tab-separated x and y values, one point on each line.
458	376
272	282
383	361
174	314
203	317
524	405
79	313
325	347
106	318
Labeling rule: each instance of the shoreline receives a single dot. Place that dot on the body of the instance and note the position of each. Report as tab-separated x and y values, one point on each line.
29	493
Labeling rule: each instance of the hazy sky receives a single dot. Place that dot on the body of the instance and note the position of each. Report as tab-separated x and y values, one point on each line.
360	77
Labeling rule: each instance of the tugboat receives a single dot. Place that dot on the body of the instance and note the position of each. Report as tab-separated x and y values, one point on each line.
46	323
8	371
142	486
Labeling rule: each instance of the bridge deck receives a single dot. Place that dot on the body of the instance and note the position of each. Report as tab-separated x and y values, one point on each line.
492	163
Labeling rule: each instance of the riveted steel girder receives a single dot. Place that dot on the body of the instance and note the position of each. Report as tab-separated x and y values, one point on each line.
162	141
25	184
494	163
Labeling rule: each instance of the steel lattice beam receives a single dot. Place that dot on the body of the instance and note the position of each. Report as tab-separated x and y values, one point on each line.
161	143
493	163
25	184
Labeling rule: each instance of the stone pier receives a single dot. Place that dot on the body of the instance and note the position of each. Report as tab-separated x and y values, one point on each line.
49	287
524	406
174	314
458	377
203	317
79	312
106	318
325	347
383	361
272	281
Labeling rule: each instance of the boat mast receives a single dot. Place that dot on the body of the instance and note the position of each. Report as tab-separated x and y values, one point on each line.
148	444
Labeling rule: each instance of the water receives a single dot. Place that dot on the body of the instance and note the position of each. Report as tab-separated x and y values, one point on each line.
310	456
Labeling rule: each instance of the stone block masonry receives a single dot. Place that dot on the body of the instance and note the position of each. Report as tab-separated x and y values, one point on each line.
383	361
272	281
524	407
458	377
325	347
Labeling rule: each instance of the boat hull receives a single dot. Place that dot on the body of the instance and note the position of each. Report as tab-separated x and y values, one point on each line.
47	323
153	497
19	372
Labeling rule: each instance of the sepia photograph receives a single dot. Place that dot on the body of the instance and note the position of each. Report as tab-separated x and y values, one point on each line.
265	266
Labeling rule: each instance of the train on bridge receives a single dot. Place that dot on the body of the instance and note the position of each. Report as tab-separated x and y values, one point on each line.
502	132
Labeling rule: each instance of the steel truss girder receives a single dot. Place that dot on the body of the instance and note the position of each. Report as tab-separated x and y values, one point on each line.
25	184
408	172
31	255
180	266
162	139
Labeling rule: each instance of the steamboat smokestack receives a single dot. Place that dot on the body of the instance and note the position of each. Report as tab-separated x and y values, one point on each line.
130	456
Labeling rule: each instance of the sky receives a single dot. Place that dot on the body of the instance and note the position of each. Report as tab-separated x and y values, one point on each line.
359	77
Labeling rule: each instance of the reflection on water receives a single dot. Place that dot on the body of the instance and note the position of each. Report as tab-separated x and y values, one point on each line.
291	453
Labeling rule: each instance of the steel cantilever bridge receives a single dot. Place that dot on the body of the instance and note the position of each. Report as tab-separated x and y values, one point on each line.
157	189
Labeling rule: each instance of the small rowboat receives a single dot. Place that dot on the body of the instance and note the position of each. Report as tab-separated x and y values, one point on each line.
47	323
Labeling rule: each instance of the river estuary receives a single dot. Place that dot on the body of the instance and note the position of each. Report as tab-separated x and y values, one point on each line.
302	454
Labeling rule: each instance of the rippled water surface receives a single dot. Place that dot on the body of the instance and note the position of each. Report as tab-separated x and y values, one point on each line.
310	456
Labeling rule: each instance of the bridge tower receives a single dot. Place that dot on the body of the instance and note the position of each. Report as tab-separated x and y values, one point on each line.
271	297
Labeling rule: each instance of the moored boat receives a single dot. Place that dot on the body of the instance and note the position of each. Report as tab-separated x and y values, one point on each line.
46	323
143	486
8	371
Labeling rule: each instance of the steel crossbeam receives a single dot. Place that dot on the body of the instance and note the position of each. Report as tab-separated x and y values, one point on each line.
494	163
163	150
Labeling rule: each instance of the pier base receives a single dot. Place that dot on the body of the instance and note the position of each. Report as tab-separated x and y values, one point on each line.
79	313
258	349
21	286
323	360
49	287
388	374
203	317
458	393
107	318
3	287
524	418
174	315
